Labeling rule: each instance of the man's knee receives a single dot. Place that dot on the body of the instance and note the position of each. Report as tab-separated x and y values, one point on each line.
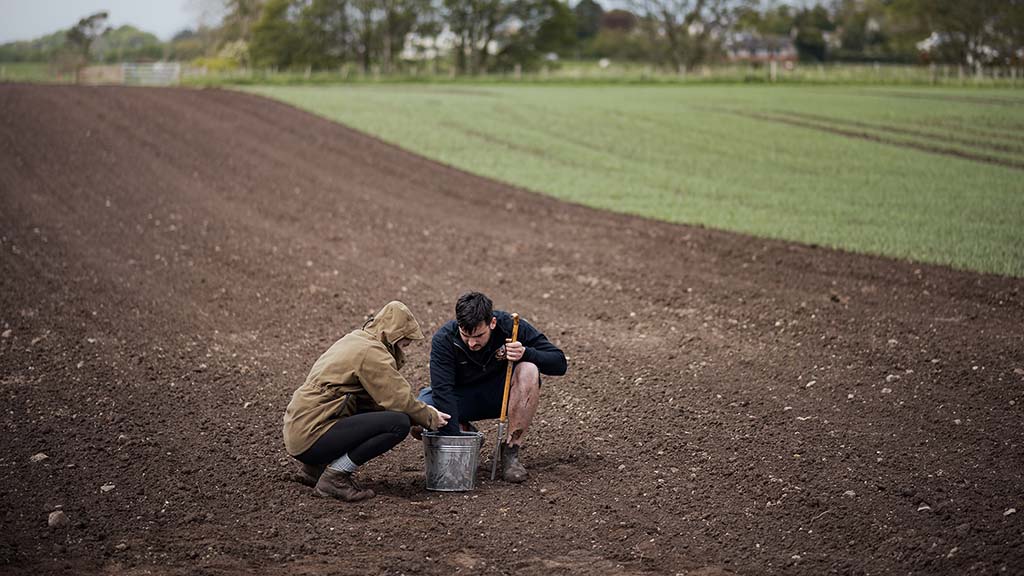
426	396
527	374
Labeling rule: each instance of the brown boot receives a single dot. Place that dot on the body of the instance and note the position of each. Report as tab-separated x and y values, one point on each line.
341	485
512	470
308	474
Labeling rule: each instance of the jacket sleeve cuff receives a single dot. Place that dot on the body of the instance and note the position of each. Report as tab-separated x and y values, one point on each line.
528	355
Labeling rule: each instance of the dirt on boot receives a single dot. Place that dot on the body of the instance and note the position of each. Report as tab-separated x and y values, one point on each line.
512	470
308	474
341	486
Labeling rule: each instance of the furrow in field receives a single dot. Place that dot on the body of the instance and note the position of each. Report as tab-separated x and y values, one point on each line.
863	135
493	140
979	100
1005	131
924	134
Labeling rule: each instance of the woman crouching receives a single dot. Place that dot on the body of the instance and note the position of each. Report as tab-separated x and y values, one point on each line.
355	406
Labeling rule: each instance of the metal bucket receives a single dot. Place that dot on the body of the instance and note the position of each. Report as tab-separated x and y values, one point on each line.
452	461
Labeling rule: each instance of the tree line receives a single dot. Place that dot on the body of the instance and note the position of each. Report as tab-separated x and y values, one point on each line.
480	36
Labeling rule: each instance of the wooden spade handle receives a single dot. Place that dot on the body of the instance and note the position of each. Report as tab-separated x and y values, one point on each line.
508	370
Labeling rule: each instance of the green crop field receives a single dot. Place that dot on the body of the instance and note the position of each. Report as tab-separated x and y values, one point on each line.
26	72
927	174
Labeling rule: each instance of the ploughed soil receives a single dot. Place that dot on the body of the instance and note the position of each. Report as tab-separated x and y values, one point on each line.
173	261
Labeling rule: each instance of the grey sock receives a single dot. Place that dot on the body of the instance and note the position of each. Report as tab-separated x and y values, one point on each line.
344	464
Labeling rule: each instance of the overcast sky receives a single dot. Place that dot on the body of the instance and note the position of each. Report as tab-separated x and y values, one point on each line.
28	19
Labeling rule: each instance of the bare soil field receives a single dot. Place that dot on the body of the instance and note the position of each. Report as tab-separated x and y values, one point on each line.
173	261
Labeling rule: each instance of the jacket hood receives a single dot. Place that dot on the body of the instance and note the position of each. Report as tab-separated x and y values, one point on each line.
392	323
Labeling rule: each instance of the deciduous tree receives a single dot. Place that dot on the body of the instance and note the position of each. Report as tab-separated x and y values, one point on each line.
82	35
275	40
588	18
686	27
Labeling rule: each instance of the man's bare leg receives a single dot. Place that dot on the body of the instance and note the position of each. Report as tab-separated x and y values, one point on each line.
523	400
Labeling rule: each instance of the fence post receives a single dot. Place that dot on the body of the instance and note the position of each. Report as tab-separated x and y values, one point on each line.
518	71
774	67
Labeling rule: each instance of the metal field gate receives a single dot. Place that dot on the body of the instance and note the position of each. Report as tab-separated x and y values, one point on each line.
155	74
149	74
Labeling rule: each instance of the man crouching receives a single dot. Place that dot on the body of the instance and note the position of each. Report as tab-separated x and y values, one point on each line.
468	360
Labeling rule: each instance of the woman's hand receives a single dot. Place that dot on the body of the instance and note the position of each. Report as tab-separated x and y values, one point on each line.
441	417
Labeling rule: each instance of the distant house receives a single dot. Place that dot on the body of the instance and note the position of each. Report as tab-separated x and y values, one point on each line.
619	20
747	47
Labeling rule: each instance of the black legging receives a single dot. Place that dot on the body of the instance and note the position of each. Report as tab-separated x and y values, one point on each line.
362	436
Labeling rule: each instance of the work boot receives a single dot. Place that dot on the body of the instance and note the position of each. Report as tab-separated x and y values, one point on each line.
308	474
512	470
341	485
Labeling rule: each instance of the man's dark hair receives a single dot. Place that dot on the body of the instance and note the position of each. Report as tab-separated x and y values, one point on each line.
473	308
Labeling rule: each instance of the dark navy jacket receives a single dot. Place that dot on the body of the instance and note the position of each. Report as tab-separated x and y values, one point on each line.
453	365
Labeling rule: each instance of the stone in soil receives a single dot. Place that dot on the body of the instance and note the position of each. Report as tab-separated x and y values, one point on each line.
57	519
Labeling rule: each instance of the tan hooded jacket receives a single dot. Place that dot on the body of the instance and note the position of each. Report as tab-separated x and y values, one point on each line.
358	373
